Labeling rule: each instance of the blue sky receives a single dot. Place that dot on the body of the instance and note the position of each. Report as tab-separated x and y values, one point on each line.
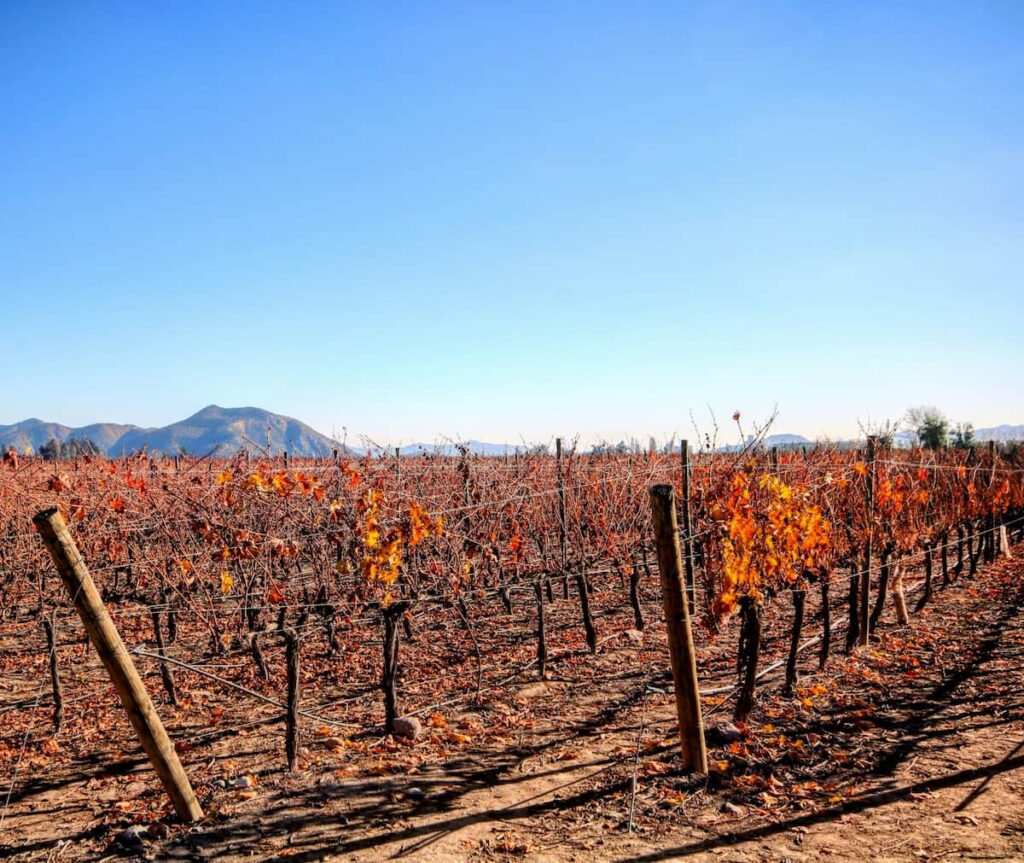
496	219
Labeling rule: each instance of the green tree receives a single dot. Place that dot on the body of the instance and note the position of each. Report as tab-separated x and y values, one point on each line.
931	426
963	436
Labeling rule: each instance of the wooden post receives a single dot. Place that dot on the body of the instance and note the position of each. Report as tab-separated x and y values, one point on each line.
561	501
111	650
680	639
990	536
291	737
691	590
865	579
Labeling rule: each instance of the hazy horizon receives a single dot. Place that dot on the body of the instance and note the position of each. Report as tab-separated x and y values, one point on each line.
694	431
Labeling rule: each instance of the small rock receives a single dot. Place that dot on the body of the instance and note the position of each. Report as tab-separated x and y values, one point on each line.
723	733
414	793
731	808
408	727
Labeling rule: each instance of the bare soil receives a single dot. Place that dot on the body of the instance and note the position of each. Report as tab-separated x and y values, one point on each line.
912	750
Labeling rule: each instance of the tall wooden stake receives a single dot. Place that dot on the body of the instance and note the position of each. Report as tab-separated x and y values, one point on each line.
865	578
111	650
561	500
990	535
680	639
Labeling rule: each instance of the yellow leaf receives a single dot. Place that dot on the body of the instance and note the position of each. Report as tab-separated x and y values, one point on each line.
226	582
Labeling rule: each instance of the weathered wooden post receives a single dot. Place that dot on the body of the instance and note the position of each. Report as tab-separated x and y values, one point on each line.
991	540
865	578
111	650
677	621
563	556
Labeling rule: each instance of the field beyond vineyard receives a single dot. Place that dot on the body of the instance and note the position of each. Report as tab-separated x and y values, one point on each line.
482	665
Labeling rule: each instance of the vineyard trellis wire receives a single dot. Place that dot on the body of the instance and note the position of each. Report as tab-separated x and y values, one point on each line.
297	542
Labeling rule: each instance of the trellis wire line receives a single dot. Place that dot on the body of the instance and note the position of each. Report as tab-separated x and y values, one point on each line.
733	689
433	514
251	693
623	472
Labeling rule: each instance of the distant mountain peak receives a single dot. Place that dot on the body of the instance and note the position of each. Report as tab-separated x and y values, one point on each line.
224	431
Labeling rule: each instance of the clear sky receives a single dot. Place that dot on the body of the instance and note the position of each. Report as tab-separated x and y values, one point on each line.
502	219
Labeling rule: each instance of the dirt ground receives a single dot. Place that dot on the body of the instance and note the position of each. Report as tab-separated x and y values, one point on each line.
912	750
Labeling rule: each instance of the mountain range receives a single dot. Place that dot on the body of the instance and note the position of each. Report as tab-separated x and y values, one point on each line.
226	431
906	438
213	429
